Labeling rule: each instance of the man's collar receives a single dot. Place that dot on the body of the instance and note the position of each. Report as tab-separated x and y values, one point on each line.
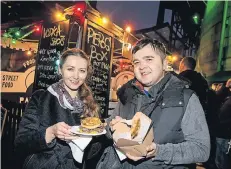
155	88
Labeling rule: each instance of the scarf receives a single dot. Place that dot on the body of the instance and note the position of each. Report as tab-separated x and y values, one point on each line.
65	100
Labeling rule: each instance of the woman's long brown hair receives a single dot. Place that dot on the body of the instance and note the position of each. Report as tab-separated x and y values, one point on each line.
84	92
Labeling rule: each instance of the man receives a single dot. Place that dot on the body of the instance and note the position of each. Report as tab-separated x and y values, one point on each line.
198	83
181	136
207	99
223	135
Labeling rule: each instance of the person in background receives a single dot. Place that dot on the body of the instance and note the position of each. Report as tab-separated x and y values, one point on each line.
44	129
181	136
223	136
124	80
198	82
207	99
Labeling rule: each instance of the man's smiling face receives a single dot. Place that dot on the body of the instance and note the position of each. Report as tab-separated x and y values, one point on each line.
148	66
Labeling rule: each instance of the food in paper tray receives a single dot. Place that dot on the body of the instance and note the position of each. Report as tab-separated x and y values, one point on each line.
134	140
91	125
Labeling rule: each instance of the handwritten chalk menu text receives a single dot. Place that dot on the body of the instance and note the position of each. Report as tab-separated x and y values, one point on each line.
98	46
52	44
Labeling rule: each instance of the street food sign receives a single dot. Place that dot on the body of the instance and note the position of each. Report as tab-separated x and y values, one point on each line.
17	82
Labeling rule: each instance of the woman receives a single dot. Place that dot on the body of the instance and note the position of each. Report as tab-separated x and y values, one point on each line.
44	129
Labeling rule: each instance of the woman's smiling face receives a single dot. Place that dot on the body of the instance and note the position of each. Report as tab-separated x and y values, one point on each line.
74	72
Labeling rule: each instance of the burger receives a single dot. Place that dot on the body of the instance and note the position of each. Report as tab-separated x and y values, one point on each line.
91	125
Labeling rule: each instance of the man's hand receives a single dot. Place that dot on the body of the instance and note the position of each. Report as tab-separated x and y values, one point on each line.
151	149
114	122
133	157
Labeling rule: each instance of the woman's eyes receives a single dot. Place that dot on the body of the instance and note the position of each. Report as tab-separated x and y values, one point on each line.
70	69
83	71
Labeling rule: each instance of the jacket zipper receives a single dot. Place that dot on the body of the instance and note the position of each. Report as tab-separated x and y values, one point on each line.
24	166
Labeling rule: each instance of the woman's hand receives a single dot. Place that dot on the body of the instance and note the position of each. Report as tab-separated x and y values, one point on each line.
59	130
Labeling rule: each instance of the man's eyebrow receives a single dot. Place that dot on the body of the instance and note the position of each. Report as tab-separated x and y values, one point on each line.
144	57
148	57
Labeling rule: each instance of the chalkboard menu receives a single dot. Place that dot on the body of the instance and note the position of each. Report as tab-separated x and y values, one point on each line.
98	45
52	44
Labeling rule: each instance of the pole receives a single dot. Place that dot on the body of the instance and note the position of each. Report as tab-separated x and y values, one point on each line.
221	47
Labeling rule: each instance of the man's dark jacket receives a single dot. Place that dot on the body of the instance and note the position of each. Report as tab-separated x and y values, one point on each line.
198	84
165	105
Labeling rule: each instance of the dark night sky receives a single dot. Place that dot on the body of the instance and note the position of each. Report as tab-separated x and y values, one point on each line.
140	14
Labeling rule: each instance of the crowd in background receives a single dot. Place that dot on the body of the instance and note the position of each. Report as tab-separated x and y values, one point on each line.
216	102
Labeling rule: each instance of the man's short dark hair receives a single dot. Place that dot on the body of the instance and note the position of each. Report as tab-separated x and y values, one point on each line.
156	45
189	62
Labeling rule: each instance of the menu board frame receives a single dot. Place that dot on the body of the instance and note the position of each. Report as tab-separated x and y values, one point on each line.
94	25
40	53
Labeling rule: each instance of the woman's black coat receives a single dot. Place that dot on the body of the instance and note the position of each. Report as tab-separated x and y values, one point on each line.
43	111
